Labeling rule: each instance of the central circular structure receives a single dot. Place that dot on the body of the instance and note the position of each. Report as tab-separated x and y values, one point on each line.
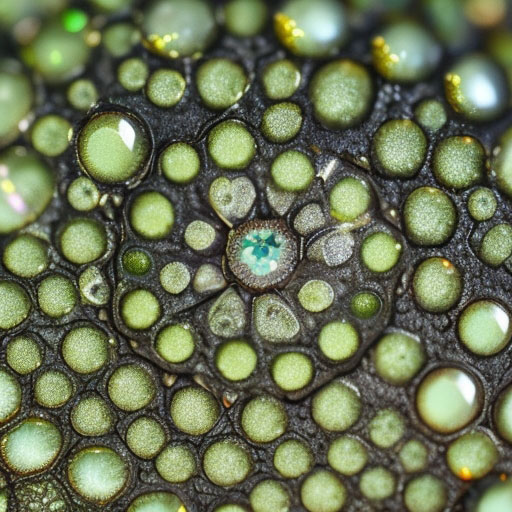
262	254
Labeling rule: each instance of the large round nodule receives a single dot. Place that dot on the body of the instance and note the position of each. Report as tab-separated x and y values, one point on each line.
262	254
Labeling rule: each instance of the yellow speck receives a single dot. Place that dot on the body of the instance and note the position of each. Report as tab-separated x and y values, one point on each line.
383	59
93	38
182	509
465	473
287	31
8	186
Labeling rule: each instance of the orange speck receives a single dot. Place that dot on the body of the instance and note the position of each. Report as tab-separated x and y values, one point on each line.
503	477
465	473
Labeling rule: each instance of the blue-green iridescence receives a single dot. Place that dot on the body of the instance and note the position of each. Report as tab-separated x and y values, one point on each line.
261	251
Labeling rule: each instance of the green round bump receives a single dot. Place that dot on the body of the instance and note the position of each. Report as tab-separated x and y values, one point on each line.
82	94
91	416
496	245
152	215
26	188
386	428
280	79
157	502
56	296
113	147
16	97
174	277
145	437
281	122
175	343
83	195
399	147
341	93
293	458
178	28
311	30
482	204
472	456
405	52
85	349
14	304
496	498
448	399
165	88
119	38
429	216
292	171
377	483
31	446
347	455
200	235
26	256
380	252
194	410
269	496
83	240
23	355
503	414
98	474
322	491
482	103
292	371
365	305
338	341
57	54
10	396
485	327
349	199
413	456
236	360
221	83
431	115
316	295
425	493
133	74
437	285
138	381
226	463
51	134
180	163
245	18
336	407
264	419
398	358
458	162
501	164
53	389
136	262
231	145
176	464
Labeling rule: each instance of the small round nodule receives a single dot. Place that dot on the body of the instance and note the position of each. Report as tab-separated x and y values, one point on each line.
262	254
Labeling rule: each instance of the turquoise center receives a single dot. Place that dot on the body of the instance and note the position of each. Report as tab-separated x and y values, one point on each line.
261	250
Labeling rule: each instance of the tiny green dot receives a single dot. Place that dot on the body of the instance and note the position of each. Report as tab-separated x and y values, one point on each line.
292	171
496	245
26	256
377	483
52	389
175	343
482	204
83	240
200	235
380	252
140	309
338	341
83	195
138	381
226	463
281	122
322	491
152	215
349	199
231	145
145	437
56	296
316	296
236	360
264	419
386	428
413	456
365	305
176	464
293	458
51	135
23	354
292	371
180	163
92	416
165	88
431	114
281	79
347	455
132	74
136	262
425	493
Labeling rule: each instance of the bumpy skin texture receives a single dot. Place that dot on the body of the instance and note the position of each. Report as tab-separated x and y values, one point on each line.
348	153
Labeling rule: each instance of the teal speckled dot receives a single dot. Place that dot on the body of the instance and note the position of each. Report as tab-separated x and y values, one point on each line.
482	204
431	115
231	145
281	122
496	245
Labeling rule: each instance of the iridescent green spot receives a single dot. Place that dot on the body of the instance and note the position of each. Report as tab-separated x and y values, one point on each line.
83	195
14	304
85	349
281	79
194	410
23	354
430	114
322	491
425	493
386	428
269	496
398	357
133	74
136	262
365	305
316	296
496	245
53	389
380	252
165	88
175	343
10	396
245	18
429	216
264	419
200	235
338	341
236	360
226	463
349	199
413	456
180	163
482	204
293	458
51	134
231	145
220	83
437	285
292	371
261	251
176	464
91	416
145	437
56	296
82	94
347	455
74	20
448	399
83	240
399	148
281	122
140	383
26	256
377	483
